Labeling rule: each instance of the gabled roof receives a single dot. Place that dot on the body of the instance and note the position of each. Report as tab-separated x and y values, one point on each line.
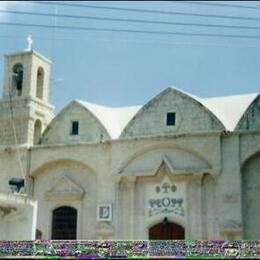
228	110
114	119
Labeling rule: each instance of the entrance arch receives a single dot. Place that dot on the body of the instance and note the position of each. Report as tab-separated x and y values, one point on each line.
166	231
250	195
64	223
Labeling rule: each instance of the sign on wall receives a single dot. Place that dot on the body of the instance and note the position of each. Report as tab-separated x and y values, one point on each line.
104	212
166	198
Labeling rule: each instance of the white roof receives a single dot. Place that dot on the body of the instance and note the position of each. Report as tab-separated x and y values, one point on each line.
228	110
114	119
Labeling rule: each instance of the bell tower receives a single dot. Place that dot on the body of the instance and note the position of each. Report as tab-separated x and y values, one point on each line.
24	109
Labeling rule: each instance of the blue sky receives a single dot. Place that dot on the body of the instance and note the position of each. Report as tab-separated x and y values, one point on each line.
124	69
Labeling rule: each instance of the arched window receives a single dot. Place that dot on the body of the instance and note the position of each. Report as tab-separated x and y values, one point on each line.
166	230
39	84
37	131
17	80
64	223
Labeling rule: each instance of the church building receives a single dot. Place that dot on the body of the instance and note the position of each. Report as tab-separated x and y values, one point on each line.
177	167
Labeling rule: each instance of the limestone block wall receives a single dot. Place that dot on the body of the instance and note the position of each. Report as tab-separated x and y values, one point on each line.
190	116
209	212
251	119
95	169
229	189
249	145
207	147
25	113
21	115
88	166
31	61
39	111
251	194
24	59
37	62
11	166
90	129
18	217
52	191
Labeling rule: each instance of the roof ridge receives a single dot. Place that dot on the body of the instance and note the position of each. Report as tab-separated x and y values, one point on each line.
229	96
106	107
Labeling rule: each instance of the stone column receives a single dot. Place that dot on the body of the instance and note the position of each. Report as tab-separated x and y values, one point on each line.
131	181
194	208
29	185
116	207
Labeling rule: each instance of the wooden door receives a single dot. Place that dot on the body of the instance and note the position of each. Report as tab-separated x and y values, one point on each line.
64	223
166	231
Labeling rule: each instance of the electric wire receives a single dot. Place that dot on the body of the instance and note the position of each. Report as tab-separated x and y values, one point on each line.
129	20
216	4
139	10
52	39
100	29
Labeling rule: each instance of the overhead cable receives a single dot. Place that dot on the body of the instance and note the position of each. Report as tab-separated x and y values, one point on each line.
130	31
98	18
212	4
146	11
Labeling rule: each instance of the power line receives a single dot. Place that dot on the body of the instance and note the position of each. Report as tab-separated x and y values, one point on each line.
131	31
130	41
131	20
216	4
148	11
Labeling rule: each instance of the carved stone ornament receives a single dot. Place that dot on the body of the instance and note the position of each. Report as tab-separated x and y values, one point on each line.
104	212
65	188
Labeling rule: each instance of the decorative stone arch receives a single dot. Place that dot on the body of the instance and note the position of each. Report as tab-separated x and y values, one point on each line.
37	132
159	147
158	97
64	182
17	79
249	158
159	220
248	120
250	180
40	83
59	162
65	109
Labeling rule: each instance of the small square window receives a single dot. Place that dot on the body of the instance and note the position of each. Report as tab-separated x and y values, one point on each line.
171	117
74	127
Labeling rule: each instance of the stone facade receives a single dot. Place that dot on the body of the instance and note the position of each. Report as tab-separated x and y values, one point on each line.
197	173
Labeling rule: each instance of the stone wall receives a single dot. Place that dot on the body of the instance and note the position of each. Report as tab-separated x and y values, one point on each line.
191	116
90	129
251	118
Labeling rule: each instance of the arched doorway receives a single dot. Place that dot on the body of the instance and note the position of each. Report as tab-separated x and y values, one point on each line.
250	195
166	231
64	223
